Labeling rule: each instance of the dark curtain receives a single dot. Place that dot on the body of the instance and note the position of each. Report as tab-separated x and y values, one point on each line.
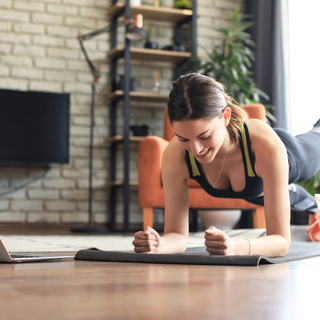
270	34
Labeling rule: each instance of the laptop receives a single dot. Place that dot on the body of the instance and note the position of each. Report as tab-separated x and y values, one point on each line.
5	256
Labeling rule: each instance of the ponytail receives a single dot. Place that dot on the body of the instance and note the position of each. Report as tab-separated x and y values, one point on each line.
238	117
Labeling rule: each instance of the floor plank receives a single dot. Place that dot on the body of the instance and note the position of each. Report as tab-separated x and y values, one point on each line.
99	290
105	290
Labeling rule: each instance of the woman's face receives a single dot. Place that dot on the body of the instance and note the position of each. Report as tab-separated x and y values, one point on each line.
202	137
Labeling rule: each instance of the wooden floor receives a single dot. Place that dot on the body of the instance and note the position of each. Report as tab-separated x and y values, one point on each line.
100	290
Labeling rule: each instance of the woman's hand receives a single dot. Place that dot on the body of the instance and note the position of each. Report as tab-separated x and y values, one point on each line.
219	243
147	241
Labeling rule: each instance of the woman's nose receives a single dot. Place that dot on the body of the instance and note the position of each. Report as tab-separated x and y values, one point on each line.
196	147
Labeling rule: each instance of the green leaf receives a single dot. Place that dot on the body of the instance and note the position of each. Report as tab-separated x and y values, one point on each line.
230	62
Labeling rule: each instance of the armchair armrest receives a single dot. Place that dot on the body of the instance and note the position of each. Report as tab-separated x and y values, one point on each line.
256	111
150	153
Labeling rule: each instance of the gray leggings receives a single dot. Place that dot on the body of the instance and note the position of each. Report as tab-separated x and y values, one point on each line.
304	162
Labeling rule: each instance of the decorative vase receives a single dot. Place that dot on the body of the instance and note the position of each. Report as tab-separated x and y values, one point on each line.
151	45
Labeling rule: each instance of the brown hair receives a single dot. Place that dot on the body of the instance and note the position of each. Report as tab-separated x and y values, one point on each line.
195	96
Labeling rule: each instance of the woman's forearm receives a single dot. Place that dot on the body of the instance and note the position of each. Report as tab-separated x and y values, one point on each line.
270	246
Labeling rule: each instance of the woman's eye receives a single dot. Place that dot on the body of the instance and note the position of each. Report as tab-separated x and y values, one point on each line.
206	138
183	140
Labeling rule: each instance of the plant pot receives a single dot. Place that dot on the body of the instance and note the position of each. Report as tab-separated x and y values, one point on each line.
221	219
151	45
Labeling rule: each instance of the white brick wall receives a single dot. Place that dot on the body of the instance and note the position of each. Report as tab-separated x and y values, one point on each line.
39	51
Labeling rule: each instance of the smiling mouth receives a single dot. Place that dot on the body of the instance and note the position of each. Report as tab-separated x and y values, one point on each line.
203	153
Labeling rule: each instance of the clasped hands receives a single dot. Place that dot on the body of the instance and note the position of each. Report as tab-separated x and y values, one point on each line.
216	241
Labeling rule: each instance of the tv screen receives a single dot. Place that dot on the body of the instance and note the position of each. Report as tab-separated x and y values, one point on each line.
34	127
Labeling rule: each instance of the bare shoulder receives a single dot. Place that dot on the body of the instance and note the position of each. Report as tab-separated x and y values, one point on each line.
266	146
174	162
261	134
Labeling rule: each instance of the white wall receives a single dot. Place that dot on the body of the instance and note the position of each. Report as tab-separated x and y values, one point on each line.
39	51
304	26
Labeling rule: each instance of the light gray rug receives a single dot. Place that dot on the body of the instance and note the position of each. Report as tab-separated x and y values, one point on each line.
74	243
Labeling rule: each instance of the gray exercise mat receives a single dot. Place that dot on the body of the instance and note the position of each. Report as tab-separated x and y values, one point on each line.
301	248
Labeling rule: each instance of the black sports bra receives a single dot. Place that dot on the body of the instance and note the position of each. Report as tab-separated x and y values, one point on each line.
254	184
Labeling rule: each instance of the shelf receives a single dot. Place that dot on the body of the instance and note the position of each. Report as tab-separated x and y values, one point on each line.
151	55
152	13
139	96
120	184
119	138
124	53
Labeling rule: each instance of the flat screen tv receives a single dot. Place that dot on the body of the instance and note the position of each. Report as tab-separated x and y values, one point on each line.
34	127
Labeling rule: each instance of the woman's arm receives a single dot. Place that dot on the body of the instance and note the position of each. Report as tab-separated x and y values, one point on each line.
271	164
176	228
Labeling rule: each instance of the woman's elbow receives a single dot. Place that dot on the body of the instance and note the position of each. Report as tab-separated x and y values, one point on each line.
284	247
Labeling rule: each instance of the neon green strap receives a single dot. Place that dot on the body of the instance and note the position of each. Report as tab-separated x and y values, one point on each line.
246	152
195	170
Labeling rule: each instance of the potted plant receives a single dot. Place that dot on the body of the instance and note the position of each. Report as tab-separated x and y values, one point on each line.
312	185
182	4
149	44
230	62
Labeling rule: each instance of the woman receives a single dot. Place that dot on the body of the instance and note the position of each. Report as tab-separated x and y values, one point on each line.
231	156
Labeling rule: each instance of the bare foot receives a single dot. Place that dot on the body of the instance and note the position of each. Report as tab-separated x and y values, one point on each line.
317	197
314	222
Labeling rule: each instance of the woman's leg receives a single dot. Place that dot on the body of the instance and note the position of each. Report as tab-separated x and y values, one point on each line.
303	153
304	162
300	200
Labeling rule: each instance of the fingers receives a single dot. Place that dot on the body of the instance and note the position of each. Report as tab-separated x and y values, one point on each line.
213	233
154	233
146	241
216	241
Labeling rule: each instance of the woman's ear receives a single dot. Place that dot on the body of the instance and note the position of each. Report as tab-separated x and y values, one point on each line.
227	115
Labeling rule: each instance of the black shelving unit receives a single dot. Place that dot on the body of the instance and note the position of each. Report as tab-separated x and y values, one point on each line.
175	60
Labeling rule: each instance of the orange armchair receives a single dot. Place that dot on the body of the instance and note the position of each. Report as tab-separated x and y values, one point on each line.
151	193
